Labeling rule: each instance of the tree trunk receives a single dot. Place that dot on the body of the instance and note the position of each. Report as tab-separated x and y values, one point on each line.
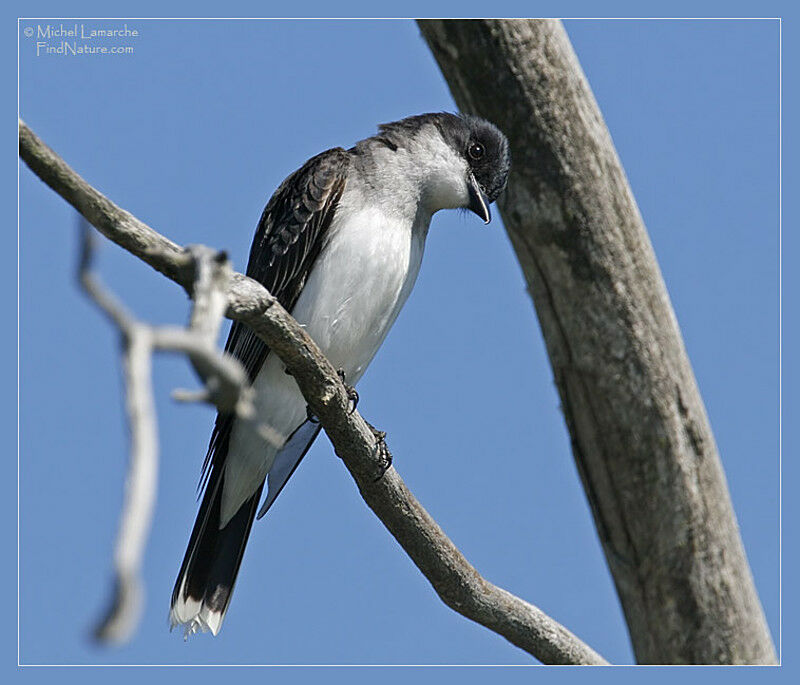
640	435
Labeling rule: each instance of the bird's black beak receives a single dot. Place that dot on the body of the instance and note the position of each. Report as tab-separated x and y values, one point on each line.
478	202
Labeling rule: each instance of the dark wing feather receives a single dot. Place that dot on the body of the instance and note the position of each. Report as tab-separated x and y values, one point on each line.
288	239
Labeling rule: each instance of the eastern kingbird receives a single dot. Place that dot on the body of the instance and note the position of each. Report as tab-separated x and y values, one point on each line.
339	245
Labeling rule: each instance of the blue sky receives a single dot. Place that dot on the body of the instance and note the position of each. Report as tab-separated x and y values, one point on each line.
192	133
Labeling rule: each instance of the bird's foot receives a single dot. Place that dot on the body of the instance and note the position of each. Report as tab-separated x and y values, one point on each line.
352	393
381	450
352	396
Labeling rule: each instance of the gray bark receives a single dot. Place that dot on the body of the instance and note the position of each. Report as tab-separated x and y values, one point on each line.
640	435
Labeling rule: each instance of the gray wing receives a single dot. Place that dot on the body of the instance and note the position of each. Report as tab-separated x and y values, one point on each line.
287	460
288	239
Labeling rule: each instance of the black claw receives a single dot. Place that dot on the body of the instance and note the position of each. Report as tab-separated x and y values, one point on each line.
310	415
352	393
381	450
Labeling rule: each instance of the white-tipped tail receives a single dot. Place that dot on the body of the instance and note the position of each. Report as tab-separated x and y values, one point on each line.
194	616
205	582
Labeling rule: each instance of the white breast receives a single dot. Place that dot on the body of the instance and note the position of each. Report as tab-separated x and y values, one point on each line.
359	282
357	287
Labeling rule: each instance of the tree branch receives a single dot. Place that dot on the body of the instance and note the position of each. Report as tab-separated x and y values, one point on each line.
640	434
124	610
225	384
458	584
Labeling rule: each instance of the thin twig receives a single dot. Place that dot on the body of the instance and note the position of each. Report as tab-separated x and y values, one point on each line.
225	385
123	613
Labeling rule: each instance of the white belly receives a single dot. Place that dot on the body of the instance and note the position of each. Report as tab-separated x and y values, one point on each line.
353	295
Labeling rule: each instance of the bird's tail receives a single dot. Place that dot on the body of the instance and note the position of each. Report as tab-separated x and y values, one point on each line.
208	573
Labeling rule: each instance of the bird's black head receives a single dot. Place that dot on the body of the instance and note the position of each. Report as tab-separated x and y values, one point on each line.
485	149
486	152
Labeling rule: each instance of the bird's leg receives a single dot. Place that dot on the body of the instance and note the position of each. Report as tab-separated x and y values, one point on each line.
309	414
381	450
352	394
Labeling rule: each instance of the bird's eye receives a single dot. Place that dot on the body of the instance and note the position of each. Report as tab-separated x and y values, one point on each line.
475	151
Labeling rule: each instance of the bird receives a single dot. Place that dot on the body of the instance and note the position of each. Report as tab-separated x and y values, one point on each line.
339	245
